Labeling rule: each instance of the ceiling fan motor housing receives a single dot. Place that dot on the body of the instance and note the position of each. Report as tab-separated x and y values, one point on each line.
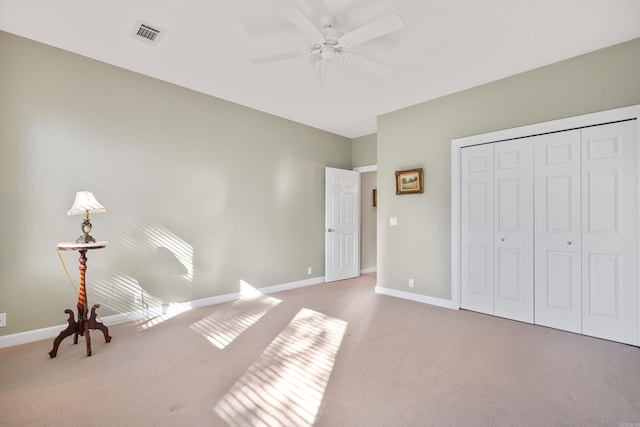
328	21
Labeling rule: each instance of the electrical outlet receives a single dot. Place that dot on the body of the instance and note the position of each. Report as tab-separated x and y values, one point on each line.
411	283
3	320
309	270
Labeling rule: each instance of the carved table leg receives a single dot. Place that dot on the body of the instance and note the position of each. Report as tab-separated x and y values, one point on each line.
87	335
71	329
80	328
93	323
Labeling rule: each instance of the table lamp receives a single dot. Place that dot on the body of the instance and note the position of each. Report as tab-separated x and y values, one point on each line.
85	203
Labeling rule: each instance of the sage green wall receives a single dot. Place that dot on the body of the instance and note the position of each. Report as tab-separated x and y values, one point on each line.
419	246
200	193
364	151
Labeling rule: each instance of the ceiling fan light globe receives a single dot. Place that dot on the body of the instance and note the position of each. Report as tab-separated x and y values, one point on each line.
316	44
327	53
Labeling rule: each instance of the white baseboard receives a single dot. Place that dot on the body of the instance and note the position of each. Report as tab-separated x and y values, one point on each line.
292	285
368	270
53	331
415	297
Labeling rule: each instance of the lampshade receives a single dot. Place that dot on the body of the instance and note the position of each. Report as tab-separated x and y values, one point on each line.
85	203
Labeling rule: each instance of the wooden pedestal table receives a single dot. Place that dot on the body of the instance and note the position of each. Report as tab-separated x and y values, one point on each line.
84	323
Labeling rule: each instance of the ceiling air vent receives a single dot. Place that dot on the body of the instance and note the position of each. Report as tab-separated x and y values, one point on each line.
147	32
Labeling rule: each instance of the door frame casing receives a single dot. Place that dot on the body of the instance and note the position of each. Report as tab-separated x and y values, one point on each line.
361	170
591	119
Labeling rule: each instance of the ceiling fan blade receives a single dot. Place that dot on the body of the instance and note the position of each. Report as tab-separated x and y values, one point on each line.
302	23
369	65
277	57
382	26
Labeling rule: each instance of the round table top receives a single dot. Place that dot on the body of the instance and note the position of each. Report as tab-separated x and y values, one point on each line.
73	246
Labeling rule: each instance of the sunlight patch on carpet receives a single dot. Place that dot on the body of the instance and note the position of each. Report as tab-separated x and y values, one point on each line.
229	321
169	311
285	386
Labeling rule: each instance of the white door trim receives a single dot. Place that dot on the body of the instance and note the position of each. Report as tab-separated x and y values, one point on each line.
363	169
625	113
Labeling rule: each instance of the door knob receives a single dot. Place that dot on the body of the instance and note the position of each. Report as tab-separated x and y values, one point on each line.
502	240
330	230
568	242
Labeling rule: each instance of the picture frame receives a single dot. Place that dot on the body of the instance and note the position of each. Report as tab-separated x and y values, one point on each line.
375	197
409	181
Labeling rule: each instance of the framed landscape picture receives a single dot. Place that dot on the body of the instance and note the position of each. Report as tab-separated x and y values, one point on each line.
409	181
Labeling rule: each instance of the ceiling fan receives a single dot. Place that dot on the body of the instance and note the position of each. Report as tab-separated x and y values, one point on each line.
329	42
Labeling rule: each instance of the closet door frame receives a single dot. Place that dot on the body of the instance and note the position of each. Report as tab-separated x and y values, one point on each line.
592	119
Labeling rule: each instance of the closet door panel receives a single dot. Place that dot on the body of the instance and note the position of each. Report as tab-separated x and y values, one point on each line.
477	214
609	249
558	231
513	281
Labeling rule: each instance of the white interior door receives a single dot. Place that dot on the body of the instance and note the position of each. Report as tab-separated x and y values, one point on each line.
558	231
513	266
477	223
609	230
342	224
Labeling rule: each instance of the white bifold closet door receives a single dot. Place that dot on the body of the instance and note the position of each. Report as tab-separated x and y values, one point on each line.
586	231
497	229
477	239
609	232
558	237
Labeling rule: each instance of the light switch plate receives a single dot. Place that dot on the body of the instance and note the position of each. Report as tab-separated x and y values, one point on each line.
393	220
3	320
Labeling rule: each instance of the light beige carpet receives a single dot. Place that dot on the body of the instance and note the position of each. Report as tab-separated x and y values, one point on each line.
328	355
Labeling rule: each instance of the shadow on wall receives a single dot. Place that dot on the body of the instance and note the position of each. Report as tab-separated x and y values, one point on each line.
150	267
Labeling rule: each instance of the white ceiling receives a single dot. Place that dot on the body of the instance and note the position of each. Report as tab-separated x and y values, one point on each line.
445	47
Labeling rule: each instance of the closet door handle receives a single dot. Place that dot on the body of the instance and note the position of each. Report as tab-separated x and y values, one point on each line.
330	230
568	242
502	239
